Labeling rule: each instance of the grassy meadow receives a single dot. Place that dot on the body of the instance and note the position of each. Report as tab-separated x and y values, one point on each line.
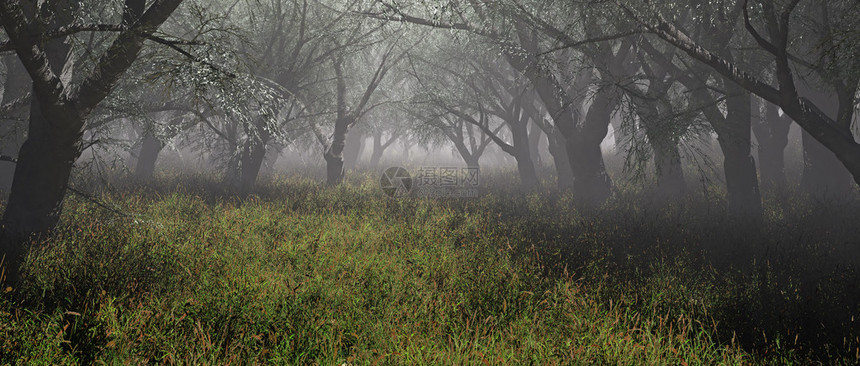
301	274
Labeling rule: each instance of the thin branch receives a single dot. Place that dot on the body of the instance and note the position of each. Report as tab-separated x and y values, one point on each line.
769	47
583	42
400	17
175	46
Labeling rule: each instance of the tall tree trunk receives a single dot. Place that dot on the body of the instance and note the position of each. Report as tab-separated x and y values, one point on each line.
353	149
734	137
150	148
41	176
771	132
334	153
528	175
556	145
670	175
39	185
664	144
233	172
376	154
591	185
534	144
234	164
334	169
252	159
472	161
521	153
824	176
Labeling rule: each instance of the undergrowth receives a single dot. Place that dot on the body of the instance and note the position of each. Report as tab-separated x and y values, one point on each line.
297	273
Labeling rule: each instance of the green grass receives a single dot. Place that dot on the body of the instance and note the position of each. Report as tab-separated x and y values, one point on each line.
302	274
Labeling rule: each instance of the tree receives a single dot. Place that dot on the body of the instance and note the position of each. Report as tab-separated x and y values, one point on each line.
556	144
591	185
771	131
387	125
663	128
480	89
348	113
830	128
59	111
521	46
726	107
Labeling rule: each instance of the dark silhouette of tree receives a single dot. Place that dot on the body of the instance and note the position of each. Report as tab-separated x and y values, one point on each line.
771	26
59	109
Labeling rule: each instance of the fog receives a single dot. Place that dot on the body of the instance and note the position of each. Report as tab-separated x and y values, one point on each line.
559	146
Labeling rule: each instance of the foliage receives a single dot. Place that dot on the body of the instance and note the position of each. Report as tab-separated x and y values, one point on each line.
300	274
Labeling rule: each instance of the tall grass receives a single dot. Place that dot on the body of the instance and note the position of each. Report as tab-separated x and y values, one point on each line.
302	274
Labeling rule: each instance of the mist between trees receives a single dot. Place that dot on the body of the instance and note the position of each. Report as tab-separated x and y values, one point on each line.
672	98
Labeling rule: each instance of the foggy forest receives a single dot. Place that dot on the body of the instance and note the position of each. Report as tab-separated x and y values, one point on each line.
451	182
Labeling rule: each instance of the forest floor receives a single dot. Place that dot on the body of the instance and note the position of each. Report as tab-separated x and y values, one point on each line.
302	274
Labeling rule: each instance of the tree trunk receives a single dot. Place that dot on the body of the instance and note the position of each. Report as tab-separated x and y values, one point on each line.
734	136
472	162
561	160
534	145
528	175
39	185
824	176
772	135
353	149
149	150
471	158
670	175
334	169
334	153
252	159
521	153
376	154
41	176
233	171
591	185
664	144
